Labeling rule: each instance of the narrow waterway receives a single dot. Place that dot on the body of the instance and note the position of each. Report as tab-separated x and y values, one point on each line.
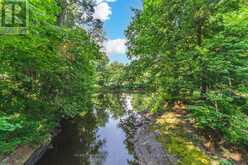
99	138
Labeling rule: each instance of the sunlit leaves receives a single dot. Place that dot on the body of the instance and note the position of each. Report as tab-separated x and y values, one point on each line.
196	46
45	75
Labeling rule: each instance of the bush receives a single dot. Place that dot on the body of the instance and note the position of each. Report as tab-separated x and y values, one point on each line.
45	75
229	125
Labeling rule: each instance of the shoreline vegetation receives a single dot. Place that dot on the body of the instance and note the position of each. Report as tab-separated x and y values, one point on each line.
46	75
189	59
195	53
181	137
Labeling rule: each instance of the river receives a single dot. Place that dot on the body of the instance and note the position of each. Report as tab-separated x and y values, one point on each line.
98	138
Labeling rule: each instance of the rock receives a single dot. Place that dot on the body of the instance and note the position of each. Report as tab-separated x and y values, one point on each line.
149	151
26	155
138	124
37	155
29	155
157	133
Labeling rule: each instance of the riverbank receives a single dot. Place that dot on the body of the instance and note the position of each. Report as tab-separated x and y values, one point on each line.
29	154
26	154
149	151
171	137
117	131
181	138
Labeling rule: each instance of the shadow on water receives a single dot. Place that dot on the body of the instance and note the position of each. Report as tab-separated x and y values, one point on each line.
99	138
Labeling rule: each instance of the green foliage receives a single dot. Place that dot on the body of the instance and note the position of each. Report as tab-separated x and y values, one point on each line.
45	75
184	47
144	102
186	42
221	115
226	162
173	136
209	118
112	74
5	125
188	153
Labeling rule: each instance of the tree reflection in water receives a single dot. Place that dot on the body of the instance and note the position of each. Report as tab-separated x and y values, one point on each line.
96	137
77	144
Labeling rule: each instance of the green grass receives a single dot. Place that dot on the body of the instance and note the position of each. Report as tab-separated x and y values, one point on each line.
176	142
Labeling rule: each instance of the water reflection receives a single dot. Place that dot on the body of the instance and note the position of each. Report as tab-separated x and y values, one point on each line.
99	138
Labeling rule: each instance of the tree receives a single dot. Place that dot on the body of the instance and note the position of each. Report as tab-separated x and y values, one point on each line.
80	13
173	35
192	48
45	75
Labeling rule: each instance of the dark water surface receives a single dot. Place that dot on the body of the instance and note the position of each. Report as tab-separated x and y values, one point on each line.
98	138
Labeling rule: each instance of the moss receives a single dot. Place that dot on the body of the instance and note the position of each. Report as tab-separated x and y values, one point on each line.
185	150
175	141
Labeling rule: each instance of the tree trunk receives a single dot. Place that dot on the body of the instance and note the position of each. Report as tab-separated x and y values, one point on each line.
61	18
204	68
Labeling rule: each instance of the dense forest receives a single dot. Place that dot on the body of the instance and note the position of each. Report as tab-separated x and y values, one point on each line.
47	74
195	51
190	55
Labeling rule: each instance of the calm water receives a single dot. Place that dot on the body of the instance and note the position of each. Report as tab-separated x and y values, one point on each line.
99	138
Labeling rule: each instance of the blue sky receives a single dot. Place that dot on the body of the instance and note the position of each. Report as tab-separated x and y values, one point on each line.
116	15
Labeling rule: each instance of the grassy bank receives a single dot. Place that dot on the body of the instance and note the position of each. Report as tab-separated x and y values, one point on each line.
181	137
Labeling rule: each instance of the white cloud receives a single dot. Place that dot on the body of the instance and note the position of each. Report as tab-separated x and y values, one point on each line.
102	11
117	46
100	1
